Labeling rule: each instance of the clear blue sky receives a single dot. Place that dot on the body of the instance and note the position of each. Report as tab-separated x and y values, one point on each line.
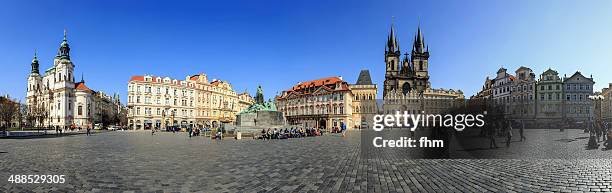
279	43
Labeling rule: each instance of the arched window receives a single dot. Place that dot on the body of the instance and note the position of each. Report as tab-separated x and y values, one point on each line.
420	65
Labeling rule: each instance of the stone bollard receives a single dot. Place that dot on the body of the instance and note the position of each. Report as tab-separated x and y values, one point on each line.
238	135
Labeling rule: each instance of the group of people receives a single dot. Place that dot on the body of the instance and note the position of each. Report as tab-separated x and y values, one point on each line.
60	130
193	132
599	131
289	133
341	129
506	127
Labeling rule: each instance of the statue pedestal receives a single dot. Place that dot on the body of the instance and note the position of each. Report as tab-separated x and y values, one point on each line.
261	119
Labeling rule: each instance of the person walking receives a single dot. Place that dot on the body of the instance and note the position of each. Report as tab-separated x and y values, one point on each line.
491	132
597	130
608	142
509	134
605	131
88	131
522	132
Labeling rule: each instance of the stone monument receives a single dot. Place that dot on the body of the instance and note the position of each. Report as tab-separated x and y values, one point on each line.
262	114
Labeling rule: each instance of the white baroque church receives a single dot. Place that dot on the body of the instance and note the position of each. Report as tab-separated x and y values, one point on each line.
60	102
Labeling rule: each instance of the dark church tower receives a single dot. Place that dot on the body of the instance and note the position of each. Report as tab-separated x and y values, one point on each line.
411	74
392	57
420	61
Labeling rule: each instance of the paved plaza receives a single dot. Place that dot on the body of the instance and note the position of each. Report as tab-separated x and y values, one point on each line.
138	162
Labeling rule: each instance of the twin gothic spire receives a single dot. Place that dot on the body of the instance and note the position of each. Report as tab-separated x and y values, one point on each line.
418	45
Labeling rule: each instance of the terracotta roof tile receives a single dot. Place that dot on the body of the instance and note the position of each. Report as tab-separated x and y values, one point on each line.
323	83
137	78
81	86
315	83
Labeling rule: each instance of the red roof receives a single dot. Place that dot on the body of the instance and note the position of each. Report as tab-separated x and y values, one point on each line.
512	78
316	83
323	83
81	86
137	78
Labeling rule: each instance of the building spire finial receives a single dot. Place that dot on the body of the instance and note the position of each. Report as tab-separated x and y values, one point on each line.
392	44
35	64
65	34
82	79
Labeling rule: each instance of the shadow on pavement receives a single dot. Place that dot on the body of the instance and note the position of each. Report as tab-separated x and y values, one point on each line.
51	135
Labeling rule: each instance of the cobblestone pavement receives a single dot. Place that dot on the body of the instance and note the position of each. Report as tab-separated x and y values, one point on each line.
166	162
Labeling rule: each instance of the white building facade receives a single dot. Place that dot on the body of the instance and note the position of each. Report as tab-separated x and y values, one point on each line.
59	100
162	102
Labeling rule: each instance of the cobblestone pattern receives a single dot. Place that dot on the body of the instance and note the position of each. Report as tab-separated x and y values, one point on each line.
139	162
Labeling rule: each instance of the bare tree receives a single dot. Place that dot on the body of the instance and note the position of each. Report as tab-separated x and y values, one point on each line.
8	110
42	113
122	116
21	114
30	117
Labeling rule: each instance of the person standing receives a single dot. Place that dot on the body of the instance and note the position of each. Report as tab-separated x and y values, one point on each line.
88	131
